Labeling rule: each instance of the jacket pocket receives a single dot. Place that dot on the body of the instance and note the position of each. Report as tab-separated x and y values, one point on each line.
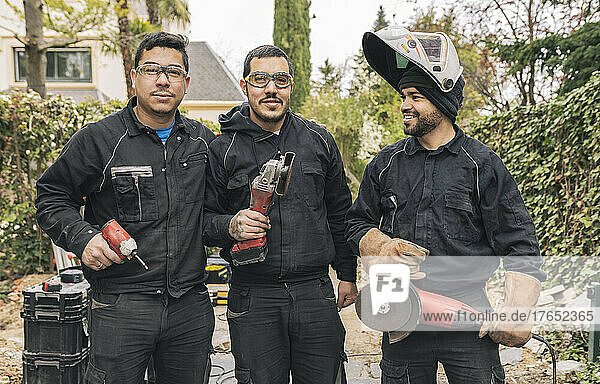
313	184
238	191
388	216
135	193
459	217
394	373
192	168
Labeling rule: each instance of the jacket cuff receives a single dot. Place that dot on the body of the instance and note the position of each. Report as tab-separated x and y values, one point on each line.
346	273
81	240
222	226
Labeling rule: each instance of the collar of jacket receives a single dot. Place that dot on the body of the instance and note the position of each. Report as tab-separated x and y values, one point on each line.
413	145
135	127
238	120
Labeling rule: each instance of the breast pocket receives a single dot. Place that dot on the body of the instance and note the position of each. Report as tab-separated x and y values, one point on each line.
135	193
192	168
238	191
313	184
459	217
393	215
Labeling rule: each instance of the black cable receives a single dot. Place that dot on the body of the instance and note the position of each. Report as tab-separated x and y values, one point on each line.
551	350
364	354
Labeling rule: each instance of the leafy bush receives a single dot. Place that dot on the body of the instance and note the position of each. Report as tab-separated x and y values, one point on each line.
553	151
32	133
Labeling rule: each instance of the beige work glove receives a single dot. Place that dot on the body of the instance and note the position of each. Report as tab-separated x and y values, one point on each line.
521	293
376	247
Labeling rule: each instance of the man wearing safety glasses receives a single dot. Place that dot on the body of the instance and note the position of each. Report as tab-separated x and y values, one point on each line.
282	310
143	166
445	205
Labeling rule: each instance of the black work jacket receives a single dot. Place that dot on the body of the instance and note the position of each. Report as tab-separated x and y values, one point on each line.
307	223
460	202
154	191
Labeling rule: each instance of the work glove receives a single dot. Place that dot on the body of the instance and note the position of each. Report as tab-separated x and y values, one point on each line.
377	244
521	293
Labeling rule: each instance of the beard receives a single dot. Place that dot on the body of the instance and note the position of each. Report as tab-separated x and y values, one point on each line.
425	124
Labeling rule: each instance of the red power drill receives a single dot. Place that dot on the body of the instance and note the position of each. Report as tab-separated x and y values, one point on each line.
274	177
120	241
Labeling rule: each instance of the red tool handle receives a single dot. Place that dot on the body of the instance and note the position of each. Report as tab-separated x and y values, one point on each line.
114	235
260	203
433	303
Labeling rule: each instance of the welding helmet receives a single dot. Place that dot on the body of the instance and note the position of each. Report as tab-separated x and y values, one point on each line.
393	50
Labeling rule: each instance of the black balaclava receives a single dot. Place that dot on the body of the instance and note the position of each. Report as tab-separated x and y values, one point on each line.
447	102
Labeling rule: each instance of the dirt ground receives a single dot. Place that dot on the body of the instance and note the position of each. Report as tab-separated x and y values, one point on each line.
362	344
11	330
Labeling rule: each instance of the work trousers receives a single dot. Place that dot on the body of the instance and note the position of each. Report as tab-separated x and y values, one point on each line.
466	358
127	329
289	327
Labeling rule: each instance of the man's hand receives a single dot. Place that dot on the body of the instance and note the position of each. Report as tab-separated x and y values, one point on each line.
97	254
347	293
377	248
248	224
521	293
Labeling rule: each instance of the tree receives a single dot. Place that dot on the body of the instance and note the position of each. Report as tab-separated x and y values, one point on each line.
66	20
380	22
511	30
291	32
342	115
332	78
576	55
124	42
167	10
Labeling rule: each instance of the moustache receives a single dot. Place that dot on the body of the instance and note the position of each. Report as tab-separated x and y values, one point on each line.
270	100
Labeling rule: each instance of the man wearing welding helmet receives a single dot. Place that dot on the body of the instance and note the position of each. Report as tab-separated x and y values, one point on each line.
440	202
282	310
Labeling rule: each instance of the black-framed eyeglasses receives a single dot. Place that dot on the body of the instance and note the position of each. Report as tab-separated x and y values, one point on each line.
153	71
261	79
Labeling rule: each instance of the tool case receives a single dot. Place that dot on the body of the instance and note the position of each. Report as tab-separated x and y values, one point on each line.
56	322
57	369
55	331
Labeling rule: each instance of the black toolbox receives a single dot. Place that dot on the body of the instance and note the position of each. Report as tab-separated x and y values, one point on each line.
56	322
55	332
57	369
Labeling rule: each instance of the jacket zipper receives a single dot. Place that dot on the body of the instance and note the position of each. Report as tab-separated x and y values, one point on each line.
137	187
395	202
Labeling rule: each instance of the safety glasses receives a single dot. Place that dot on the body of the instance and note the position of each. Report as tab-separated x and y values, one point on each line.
261	79
153	71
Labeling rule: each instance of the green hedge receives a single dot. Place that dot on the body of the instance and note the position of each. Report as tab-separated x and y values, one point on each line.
553	151
32	133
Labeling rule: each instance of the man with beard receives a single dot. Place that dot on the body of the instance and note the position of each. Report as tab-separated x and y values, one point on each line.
145	167
445	205
282	311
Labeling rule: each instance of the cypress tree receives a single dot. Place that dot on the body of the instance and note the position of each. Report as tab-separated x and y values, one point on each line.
380	22
291	32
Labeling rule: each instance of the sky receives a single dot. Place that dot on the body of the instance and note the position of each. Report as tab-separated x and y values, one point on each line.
234	27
